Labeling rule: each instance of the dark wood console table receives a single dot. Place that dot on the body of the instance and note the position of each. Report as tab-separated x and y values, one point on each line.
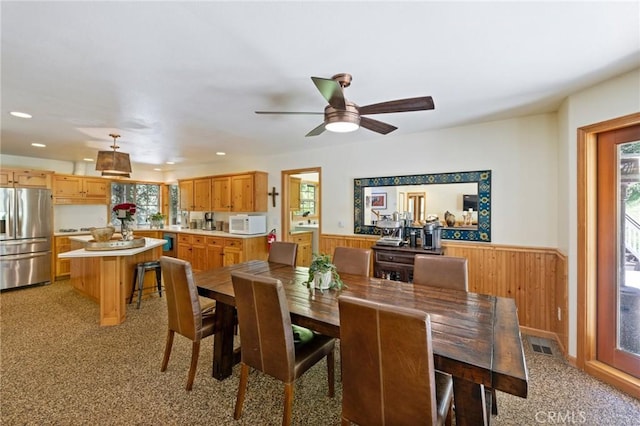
396	263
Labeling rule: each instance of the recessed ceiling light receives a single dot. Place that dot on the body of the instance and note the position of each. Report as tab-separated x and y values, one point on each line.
171	162
157	169
88	159
38	145
20	114
221	153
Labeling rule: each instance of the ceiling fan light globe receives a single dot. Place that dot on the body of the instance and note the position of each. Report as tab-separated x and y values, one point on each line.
342	126
342	120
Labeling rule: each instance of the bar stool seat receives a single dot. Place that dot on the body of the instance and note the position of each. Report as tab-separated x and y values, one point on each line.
138	278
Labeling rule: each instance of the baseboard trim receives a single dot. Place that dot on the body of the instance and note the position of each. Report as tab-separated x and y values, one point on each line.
616	378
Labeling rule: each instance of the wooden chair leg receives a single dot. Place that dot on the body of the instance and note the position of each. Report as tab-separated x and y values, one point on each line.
494	402
167	350
195	353
288	404
242	390
331	373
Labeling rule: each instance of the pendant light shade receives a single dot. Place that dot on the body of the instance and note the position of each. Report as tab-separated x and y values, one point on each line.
113	163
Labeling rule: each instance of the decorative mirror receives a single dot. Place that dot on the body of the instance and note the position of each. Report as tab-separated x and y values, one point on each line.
465	196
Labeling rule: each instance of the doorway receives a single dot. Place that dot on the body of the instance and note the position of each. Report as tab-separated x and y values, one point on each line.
618	258
590	245
301	203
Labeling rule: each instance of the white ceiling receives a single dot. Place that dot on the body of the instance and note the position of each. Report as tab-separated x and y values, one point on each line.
181	80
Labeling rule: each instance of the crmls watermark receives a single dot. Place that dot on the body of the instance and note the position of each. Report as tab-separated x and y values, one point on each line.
561	417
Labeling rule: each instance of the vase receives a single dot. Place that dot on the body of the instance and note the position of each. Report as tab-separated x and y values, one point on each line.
125	230
322	280
449	218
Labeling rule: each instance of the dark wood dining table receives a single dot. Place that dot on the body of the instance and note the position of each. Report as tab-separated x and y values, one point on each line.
476	337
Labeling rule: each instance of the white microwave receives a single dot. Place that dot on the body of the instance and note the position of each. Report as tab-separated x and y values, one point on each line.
245	224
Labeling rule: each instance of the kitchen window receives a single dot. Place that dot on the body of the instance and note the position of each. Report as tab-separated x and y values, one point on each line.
145	196
307	200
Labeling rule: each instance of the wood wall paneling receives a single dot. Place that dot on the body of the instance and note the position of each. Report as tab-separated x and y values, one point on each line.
535	277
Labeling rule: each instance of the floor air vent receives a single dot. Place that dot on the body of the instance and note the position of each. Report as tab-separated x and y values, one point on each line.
540	345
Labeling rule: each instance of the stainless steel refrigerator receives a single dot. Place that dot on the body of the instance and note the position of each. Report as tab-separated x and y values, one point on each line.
25	237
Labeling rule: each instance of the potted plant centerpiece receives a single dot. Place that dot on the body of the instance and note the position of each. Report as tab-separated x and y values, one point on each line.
323	274
157	220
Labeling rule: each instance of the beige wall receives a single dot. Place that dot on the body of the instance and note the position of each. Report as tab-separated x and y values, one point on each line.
532	158
610	99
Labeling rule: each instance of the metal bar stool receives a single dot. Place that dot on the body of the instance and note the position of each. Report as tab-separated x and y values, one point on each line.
138	278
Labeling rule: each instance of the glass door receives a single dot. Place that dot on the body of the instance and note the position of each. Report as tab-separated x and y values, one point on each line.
618	301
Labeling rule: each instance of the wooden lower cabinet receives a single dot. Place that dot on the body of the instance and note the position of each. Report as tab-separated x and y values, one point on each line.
192	248
147	233
215	255
304	254
232	251
396	263
211	252
62	266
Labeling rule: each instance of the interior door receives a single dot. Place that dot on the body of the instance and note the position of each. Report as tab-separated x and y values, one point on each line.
287	213
618	242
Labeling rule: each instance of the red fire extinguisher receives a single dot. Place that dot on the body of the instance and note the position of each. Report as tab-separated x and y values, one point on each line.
271	237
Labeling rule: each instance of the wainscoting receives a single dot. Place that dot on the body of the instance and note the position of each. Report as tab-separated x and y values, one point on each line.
535	277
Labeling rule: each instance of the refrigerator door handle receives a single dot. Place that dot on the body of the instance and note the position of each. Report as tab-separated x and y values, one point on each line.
26	241
24	256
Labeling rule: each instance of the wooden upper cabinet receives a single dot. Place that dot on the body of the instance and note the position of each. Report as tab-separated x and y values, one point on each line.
25	178
240	193
294	193
221	194
202	194
249	192
186	194
195	194
72	189
245	192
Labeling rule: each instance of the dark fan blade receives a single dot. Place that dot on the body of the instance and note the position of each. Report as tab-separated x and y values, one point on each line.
316	131
331	91
400	105
376	126
290	112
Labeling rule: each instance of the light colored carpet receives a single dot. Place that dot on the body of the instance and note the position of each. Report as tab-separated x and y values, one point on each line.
58	366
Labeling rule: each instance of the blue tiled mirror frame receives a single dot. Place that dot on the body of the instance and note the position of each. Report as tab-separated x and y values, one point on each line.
482	177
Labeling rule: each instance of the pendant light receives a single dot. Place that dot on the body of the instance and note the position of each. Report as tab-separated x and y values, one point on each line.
113	163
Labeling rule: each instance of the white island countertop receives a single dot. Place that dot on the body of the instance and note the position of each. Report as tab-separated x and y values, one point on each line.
150	243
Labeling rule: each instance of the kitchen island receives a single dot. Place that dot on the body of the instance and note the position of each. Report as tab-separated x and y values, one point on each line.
106	276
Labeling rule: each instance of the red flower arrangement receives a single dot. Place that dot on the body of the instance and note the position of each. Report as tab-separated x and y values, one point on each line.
125	211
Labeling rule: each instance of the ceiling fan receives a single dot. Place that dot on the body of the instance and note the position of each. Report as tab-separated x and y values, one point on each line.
342	115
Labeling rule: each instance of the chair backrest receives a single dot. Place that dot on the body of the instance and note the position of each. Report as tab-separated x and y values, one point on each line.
388	376
283	252
183	305
351	260
265	325
441	271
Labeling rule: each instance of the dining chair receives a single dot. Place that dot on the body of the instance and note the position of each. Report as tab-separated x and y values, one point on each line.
283	252
389	377
267	339
446	272
185	313
351	260
441	271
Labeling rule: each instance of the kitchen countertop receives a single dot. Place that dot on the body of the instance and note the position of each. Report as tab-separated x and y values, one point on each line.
150	243
171	229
